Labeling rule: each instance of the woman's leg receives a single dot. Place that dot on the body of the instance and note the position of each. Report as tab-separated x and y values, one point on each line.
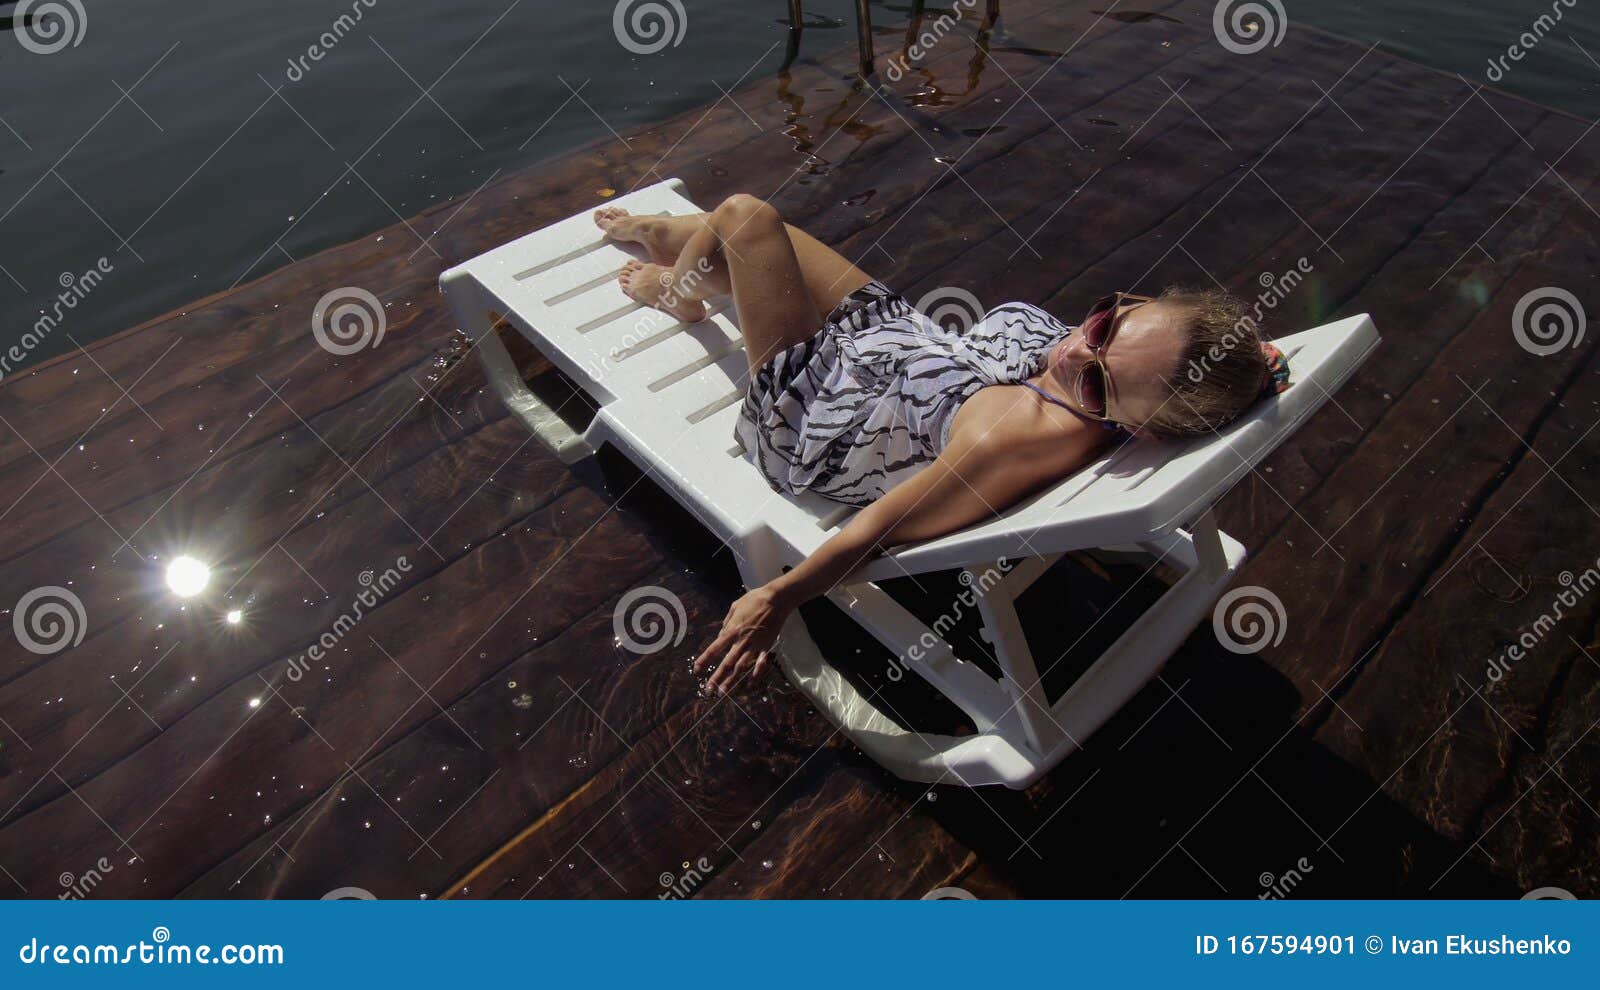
783	280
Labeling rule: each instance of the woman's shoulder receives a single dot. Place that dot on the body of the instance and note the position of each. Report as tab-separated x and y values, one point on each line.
1005	418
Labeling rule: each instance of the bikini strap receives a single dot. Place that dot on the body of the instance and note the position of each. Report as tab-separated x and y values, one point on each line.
1086	418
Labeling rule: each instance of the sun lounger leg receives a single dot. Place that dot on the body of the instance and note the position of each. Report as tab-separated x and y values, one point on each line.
504	377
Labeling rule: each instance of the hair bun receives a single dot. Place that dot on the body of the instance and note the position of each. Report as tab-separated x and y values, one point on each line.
1277	375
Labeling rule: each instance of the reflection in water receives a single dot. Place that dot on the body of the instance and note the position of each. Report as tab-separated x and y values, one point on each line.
841	117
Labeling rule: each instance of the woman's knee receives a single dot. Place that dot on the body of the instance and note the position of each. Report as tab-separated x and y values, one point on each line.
742	213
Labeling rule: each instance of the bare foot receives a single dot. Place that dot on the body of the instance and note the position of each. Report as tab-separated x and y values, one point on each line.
652	285
649	232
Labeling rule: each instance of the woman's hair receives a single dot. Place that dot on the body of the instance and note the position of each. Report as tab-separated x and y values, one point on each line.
1221	368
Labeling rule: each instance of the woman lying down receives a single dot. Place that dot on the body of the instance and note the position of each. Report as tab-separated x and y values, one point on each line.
856	396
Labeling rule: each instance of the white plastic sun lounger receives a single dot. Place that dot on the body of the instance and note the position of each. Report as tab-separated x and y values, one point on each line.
668	395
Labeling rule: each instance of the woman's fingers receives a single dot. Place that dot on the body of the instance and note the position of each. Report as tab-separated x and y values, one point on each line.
735	667
717	648
728	671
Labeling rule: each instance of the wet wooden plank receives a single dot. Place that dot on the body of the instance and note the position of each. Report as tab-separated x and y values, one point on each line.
174	658
1457	696
218	757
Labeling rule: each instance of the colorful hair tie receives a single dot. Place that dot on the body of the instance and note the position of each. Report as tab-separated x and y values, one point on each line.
1277	376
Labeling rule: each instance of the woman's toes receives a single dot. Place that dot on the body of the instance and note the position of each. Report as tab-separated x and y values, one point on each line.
608	217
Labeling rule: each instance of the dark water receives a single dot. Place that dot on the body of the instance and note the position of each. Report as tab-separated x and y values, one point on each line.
157	143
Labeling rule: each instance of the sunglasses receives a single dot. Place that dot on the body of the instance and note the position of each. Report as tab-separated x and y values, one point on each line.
1094	386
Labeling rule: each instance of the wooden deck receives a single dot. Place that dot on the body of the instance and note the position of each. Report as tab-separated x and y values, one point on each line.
481	733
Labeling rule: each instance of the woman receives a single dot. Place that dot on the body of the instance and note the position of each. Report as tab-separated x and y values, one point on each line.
856	396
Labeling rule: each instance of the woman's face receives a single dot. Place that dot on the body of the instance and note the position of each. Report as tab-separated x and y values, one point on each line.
1140	358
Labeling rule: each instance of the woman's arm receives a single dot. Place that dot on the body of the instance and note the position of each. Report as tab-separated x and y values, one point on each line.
975	478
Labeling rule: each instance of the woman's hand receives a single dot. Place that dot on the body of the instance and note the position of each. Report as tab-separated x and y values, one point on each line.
746	639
